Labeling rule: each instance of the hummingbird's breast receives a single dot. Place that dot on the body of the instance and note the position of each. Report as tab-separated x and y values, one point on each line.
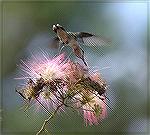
73	43
63	36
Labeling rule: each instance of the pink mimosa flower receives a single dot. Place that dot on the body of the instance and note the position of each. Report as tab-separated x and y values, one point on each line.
55	82
75	71
44	67
48	100
94	111
47	78
90	97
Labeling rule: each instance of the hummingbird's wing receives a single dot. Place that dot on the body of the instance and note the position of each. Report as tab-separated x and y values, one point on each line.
55	42
91	39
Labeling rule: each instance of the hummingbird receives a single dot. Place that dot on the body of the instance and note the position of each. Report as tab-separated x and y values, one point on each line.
73	39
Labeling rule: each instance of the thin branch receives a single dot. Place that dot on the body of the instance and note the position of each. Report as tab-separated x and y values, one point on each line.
47	120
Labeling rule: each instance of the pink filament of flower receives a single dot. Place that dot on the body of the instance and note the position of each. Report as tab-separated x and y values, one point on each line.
89	114
45	67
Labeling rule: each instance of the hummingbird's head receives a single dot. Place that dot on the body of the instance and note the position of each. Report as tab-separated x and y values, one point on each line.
57	27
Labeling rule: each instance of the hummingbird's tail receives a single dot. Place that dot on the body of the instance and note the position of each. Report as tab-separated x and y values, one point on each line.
84	61
78	52
82	58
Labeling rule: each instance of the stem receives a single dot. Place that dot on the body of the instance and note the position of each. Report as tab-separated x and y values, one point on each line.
47	120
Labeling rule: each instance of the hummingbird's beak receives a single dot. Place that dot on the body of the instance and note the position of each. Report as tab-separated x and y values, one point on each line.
55	28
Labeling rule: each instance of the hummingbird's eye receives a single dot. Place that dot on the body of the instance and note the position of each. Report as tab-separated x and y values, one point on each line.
58	25
55	28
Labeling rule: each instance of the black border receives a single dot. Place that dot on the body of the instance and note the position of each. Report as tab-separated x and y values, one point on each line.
1	68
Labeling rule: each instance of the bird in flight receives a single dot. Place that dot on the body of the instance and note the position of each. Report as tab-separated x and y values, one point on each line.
73	39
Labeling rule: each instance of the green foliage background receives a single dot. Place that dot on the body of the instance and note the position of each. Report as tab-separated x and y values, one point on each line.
26	27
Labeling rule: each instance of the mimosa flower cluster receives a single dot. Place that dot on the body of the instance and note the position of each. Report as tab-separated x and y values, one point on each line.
62	83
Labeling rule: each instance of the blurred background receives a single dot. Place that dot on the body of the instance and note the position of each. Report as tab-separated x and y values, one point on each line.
27	28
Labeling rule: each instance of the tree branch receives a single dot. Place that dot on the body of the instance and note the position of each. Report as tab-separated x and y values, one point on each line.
47	120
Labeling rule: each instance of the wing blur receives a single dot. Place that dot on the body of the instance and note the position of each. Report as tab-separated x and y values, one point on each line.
54	43
91	39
